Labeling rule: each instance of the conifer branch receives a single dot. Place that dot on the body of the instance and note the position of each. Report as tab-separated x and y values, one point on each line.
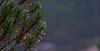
33	10
12	15
28	30
21	35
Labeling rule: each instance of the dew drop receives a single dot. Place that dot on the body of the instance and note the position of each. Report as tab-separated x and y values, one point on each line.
38	41
34	46
44	33
35	49
34	1
31	48
41	38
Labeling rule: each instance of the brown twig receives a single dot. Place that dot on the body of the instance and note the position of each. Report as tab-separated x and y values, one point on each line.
1	2
21	35
21	2
2	21
16	17
12	48
27	48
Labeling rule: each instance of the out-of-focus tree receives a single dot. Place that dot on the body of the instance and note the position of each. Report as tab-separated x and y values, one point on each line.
72	22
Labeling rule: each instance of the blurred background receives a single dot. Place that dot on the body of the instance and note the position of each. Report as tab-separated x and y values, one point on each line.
72	25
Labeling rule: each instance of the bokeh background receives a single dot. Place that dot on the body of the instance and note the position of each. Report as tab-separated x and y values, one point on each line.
72	25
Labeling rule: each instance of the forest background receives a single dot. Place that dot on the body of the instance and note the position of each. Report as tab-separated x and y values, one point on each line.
72	24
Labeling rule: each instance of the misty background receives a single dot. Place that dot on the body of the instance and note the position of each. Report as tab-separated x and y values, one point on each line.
71	24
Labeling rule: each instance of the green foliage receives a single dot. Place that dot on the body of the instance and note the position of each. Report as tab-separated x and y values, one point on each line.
21	24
